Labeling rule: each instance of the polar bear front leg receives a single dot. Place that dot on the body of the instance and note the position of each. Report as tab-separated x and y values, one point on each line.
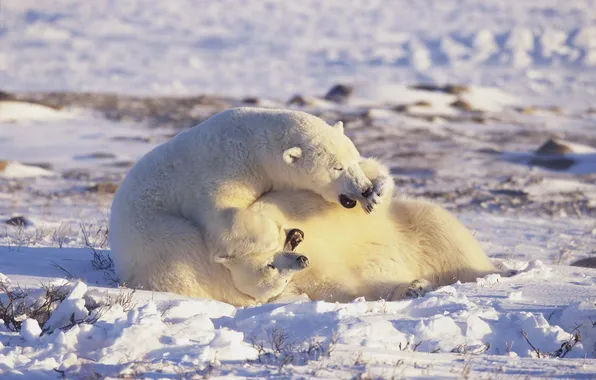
240	231
383	185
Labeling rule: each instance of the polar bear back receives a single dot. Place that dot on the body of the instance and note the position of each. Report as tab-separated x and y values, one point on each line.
221	161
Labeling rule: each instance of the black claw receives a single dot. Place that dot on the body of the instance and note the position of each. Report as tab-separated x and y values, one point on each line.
293	238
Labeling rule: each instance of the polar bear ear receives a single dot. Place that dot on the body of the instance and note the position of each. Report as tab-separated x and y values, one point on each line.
292	155
340	126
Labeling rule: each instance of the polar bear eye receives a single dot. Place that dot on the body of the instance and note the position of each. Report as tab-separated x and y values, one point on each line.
270	266
339	168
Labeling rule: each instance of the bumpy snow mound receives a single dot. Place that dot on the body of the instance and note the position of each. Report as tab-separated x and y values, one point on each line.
14	169
14	111
151	331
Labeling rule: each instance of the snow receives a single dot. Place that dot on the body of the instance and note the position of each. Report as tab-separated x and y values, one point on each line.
508	55
20	111
90	138
14	169
483	319
282	48
30	330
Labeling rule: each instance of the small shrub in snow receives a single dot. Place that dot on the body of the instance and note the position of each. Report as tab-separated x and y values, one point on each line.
17	304
123	299
55	307
97	237
279	348
561	352
94	238
22	237
61	235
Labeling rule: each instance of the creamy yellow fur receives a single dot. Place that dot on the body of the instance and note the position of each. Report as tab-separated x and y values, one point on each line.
376	255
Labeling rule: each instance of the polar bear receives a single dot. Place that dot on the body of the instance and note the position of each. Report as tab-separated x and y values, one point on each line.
403	250
184	206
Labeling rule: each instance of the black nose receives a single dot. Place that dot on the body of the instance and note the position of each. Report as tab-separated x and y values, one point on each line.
303	260
368	192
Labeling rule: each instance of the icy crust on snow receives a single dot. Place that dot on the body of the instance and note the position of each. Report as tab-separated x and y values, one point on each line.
11	111
481	318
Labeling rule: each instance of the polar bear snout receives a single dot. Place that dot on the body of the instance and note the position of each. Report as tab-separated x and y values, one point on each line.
368	192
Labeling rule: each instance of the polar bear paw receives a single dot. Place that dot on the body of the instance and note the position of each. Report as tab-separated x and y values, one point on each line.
418	289
293	238
381	187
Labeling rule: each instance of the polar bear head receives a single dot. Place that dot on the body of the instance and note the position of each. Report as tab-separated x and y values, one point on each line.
264	276
321	158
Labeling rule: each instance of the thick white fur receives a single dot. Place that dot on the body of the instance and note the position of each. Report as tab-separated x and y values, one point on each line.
403	246
180	218
352	253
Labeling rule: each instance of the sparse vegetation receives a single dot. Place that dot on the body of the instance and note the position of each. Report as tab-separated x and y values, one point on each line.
561	352
61	234
95	238
18	304
279	348
23	237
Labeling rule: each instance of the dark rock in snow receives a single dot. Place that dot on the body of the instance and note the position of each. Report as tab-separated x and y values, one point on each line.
454	89
339	93
18	221
251	100
554	146
297	100
589	262
6	96
463	105
96	156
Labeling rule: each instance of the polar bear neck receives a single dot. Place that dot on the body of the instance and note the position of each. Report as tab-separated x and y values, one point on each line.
265	149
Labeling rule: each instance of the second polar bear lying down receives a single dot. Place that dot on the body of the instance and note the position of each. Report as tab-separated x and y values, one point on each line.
405	249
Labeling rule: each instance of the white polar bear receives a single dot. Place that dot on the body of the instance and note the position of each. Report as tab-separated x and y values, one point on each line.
402	250
183	207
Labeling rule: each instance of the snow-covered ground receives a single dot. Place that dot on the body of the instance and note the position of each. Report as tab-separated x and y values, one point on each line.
541	48
482	151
